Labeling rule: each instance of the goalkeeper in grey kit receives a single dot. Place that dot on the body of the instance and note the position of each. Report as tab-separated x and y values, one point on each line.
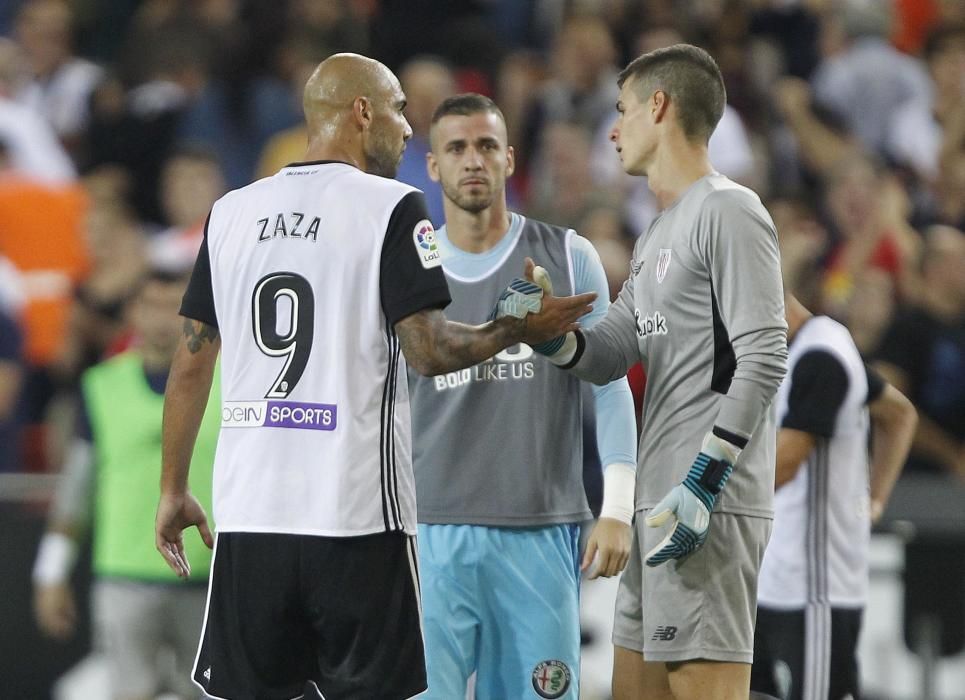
704	310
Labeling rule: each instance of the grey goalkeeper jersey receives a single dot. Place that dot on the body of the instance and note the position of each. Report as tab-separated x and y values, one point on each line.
500	443
704	310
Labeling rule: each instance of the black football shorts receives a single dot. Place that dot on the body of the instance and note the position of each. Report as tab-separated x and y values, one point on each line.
293	616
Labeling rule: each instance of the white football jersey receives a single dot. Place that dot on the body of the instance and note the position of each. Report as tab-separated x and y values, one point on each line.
305	274
818	551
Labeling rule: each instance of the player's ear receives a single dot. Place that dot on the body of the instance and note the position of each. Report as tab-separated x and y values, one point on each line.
362	111
432	167
659	104
510	161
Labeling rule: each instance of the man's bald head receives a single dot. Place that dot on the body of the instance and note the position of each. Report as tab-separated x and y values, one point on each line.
341	78
353	107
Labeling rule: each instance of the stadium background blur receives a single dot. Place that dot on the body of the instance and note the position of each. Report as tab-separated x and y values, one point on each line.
121	121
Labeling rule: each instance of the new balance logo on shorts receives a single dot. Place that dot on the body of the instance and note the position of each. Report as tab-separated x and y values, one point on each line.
664	633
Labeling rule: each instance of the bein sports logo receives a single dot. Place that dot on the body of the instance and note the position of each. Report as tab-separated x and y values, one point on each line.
279	414
424	237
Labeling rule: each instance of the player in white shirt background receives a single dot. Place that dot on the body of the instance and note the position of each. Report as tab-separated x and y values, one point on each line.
814	579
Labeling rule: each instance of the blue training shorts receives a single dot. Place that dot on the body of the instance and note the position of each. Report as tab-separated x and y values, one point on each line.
503	602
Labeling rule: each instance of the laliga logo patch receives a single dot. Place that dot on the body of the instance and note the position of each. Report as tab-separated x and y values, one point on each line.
424	237
551	678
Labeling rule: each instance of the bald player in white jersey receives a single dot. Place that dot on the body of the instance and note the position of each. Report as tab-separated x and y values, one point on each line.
317	285
704	311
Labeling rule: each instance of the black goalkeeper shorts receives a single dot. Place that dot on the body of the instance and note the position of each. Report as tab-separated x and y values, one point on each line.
321	617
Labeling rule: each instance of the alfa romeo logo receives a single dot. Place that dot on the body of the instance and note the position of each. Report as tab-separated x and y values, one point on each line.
551	679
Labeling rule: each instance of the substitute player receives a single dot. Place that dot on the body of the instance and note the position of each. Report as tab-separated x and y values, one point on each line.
313	281
814	579
139	607
703	309
497	448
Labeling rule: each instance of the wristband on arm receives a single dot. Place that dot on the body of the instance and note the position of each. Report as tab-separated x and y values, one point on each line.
619	485
55	559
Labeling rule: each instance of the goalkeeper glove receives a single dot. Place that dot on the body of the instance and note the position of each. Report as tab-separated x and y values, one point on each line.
553	345
692	501
521	297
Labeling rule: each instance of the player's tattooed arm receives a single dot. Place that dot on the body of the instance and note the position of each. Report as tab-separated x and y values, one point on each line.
185	399
434	345
197	333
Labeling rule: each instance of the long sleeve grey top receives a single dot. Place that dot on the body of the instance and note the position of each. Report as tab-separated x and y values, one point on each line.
703	310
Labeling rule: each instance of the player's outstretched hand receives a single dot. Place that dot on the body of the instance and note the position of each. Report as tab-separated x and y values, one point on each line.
609	544
174	514
557	315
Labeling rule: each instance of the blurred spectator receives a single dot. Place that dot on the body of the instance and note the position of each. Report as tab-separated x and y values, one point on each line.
41	234
870	308
793	28
212	28
289	145
917	130
60	83
817	142
949	191
191	181
803	242
862	77
31	144
517	84
615	256
914	19
109	484
562	190
137	129
11	365
426	82
867	211
461	33
923	355
582	89
118	263
324	28
236	110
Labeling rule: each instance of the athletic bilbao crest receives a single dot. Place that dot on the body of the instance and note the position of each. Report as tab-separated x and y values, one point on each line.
424	237
663	263
551	679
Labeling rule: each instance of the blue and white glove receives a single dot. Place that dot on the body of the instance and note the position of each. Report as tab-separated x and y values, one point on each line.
551	346
521	297
691	502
